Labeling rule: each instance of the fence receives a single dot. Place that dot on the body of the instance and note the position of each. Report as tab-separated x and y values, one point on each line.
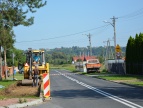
120	67
117	67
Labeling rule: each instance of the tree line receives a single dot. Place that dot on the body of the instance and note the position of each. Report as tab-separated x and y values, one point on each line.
134	55
64	55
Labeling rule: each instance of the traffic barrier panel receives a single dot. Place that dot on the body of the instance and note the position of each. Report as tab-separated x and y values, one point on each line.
46	85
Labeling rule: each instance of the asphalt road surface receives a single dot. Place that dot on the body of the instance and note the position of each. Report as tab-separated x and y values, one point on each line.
69	90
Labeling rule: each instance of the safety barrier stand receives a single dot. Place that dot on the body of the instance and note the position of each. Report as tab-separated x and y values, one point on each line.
46	86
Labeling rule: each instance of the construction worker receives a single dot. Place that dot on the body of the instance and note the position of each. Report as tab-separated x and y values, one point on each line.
36	58
35	76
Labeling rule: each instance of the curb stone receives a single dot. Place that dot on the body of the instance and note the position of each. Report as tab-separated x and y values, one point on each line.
35	102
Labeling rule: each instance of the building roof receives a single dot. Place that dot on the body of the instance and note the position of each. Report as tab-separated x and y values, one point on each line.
83	58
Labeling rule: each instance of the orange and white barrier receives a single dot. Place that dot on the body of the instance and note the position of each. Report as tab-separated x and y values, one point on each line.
46	84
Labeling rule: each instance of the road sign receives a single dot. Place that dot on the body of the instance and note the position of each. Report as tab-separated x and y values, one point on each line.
118	48
118	55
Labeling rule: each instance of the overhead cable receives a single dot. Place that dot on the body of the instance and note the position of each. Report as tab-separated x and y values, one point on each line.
65	35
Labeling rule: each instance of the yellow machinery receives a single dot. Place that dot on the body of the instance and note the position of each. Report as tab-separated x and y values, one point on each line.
30	65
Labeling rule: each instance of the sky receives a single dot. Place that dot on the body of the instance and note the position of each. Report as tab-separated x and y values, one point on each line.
66	23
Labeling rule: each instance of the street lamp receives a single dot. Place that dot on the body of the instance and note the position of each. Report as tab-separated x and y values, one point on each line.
113	24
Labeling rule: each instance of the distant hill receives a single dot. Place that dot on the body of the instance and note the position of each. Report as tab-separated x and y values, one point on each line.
76	51
64	55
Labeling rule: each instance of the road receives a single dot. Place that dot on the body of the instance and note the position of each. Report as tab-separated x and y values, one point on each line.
70	90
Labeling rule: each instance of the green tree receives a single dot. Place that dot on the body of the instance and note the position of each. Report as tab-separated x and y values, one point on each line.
140	53
129	55
14	13
6	41
134	52
136	55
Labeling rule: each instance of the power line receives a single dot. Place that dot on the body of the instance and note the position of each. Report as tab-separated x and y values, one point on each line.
133	14
65	35
99	32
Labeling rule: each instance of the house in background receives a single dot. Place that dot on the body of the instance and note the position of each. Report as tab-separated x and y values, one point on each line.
82	58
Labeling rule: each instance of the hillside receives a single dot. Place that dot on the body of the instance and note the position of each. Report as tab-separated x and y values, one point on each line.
64	55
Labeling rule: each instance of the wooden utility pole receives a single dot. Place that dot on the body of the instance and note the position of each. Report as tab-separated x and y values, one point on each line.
109	53
113	24
89	37
0	65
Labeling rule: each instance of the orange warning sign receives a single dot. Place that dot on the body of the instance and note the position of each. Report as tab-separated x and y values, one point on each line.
118	48
26	64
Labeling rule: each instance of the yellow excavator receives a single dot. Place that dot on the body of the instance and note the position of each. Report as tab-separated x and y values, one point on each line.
31	63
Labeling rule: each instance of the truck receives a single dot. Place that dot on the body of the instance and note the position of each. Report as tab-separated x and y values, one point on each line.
90	65
93	65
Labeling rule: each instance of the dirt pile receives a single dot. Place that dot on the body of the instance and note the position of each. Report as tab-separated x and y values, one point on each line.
17	90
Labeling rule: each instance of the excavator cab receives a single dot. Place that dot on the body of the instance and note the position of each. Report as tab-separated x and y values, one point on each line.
38	58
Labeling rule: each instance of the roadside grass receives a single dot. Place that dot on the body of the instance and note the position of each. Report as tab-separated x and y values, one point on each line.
122	77
6	83
95	73
10	85
104	74
9	81
138	83
128	79
69	67
17	76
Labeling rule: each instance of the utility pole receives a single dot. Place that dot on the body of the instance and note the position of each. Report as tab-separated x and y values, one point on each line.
109	54
114	21
114	27
106	53
0	65
13	63
90	49
89	37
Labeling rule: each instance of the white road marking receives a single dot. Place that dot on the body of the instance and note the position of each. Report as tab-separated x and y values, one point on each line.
116	98
64	74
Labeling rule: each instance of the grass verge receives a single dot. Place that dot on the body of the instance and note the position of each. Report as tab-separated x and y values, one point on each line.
16	76
128	79
69	67
13	88
95	73
6	83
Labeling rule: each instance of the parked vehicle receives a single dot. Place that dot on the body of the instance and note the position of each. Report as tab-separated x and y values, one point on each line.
93	65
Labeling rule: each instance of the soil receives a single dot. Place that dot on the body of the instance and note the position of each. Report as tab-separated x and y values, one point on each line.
14	92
